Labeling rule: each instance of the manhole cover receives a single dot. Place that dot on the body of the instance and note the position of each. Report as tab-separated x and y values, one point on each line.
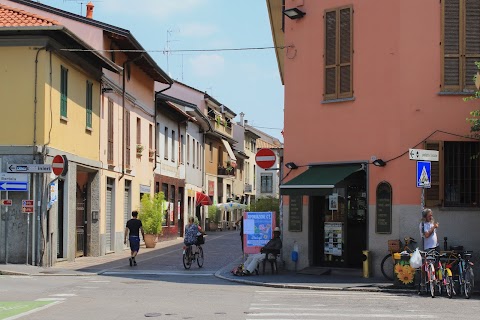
152	315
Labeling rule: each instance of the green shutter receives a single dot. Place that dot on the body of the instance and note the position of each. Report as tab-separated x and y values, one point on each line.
88	104
63	91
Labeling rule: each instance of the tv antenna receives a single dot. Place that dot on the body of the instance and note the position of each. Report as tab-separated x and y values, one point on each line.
167	46
81	3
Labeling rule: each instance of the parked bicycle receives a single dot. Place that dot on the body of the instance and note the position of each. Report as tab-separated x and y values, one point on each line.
190	255
388	262
464	273
447	276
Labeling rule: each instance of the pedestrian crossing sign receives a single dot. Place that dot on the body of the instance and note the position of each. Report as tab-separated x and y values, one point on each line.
424	176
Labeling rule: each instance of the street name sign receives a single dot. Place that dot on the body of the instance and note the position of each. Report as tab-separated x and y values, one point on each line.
424	174
13	181
423	155
7	202
29	167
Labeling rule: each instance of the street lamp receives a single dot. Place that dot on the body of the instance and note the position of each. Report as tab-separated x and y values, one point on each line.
294	13
379	163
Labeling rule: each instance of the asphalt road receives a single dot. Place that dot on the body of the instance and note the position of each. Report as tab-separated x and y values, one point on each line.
159	288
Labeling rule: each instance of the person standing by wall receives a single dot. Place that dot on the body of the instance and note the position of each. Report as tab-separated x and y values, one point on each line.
132	229
428	230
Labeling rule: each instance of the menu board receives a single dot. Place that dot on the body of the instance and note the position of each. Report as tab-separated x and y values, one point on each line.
295	214
383	221
333	238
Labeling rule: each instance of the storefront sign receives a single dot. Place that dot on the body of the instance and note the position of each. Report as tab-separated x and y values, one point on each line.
144	188
383	221
295	214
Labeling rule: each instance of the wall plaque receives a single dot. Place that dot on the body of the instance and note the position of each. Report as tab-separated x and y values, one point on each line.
383	221
295	216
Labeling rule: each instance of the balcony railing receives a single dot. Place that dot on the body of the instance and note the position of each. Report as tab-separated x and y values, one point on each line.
221	127
222	171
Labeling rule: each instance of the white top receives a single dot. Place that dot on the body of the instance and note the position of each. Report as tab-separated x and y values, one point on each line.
430	242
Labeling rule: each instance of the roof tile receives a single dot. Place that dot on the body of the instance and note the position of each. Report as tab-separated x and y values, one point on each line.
12	17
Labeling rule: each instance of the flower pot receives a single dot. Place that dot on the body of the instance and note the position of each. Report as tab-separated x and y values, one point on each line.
150	240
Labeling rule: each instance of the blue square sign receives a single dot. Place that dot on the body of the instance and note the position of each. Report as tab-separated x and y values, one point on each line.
424	176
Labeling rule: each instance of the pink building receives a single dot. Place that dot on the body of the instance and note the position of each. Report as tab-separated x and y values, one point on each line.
367	80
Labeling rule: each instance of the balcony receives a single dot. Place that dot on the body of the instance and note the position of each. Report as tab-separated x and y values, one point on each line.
226	171
220	125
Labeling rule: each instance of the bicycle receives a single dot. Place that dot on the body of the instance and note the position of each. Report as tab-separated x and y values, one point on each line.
430	282
447	276
189	256
466	278
388	262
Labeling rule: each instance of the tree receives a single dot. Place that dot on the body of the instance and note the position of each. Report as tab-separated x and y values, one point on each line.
268	204
151	212
475	114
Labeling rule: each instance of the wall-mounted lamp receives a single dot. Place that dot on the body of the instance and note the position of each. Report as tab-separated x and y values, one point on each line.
294	13
379	163
291	165
107	90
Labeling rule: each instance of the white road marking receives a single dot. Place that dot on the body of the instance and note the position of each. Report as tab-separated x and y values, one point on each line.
51	299
320	315
82	287
63	295
158	273
99	281
18	316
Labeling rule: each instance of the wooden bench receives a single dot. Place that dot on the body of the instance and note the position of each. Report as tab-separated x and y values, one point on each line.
271	257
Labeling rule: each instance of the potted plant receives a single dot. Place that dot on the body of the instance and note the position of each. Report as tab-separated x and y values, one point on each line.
151	215
229	168
213	217
139	149
151	153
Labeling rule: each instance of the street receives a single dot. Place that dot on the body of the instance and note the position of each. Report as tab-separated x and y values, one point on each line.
160	288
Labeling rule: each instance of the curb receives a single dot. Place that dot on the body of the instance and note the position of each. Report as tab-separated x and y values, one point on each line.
18	273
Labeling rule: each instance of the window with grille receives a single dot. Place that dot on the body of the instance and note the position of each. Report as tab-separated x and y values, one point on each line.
338	53
460	44
110	132
266	183
63	91
455	177
88	104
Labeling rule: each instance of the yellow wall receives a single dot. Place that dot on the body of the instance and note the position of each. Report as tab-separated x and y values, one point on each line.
17	78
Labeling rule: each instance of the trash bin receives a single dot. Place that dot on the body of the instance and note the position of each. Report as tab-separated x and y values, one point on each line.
404	274
366	264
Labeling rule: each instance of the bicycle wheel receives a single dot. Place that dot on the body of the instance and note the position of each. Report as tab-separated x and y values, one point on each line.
200	257
387	266
449	286
431	280
187	263
468	283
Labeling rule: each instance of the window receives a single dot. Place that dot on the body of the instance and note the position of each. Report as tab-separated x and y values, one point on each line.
173	146
193	153
88	104
338	53
182	143
63	91
456	177
139	131
127	138
253	145
165	212
254	176
198	154
211	151
150	136
247	172
165	144
460	44
266	183
110	132
188	149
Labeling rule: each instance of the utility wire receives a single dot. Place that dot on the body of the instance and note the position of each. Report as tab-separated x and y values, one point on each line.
170	51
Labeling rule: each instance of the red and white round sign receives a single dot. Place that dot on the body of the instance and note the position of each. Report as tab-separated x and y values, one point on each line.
59	165
265	158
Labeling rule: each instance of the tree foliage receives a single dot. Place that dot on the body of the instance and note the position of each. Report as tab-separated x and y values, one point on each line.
475	114
151	212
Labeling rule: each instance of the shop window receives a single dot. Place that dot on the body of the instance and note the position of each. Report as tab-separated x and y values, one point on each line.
455	177
338	53
460	44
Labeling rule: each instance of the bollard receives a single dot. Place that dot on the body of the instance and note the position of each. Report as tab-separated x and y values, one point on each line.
366	264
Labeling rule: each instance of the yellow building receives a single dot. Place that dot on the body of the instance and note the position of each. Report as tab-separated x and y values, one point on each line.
50	102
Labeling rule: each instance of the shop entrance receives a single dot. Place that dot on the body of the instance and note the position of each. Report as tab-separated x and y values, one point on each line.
339	224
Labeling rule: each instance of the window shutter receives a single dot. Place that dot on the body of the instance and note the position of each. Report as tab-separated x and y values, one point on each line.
127	138
472	41
452	50
434	195
110	132
89	104
330	55
345	87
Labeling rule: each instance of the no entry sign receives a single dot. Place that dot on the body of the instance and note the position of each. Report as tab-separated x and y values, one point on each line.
59	165
265	158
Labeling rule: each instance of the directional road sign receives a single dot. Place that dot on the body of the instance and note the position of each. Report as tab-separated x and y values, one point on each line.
265	158
29	167
13	181
27	209
27	203
424	155
424	174
7	202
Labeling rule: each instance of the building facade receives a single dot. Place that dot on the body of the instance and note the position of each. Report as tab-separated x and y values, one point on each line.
383	77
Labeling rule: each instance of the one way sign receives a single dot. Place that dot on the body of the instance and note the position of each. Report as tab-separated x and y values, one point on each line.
423	155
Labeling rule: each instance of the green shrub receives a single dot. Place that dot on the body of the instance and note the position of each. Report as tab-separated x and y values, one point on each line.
151	213
213	214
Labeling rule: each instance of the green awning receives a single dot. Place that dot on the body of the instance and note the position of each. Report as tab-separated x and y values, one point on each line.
318	180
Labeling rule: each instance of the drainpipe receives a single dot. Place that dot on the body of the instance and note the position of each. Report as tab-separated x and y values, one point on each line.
155	126
128	61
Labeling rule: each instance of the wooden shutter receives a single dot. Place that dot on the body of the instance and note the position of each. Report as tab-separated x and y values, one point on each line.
127	138
472	41
110	132
89	97
451	45
338	53
434	195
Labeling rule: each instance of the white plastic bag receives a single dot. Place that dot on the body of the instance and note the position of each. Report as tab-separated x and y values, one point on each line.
416	259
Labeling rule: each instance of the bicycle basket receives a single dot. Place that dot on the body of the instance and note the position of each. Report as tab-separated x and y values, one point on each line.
394	245
200	239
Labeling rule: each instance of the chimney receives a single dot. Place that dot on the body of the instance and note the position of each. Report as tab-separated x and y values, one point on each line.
242	123
90	7
245	122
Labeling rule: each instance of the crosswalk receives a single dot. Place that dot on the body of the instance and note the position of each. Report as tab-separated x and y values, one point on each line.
310	305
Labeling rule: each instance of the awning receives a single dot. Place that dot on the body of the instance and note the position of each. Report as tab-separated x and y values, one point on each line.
318	180
203	199
229	150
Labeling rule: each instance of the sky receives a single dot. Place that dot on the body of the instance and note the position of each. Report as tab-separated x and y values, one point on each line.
244	81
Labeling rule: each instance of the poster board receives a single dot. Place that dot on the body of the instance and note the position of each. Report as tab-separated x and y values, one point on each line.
333	244
257	230
383	219
295	214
